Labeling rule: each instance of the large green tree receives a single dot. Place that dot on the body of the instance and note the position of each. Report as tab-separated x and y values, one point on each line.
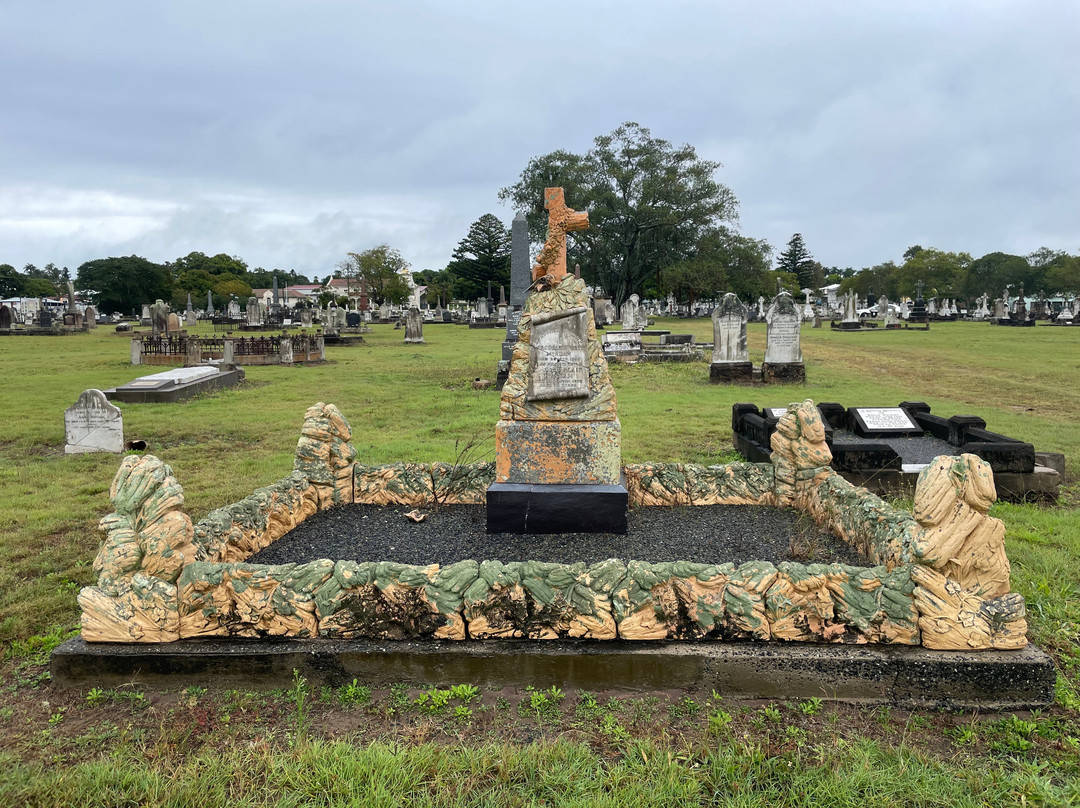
1063	275
796	259
124	284
943	273
993	272
720	261
219	264
648	203
382	269
482	256
11	282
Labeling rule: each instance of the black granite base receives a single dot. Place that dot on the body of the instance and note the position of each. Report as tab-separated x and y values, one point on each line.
869	674
783	372
731	372
523	508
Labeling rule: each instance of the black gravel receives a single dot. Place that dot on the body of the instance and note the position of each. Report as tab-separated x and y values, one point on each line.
704	533
911	450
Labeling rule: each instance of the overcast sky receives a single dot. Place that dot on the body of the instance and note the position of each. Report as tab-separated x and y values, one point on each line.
289	133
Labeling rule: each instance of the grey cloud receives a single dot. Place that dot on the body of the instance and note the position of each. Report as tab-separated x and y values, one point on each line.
291	132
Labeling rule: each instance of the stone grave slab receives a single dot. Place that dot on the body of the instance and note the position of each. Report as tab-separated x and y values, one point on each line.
175	385
92	424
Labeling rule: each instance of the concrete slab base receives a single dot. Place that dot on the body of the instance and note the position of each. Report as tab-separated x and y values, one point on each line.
879	674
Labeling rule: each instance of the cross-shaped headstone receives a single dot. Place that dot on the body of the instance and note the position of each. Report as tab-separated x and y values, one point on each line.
561	220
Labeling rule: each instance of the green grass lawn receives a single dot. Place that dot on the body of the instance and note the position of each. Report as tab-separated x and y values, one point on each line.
417	403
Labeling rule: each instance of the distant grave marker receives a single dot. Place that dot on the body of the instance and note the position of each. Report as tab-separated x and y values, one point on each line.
92	424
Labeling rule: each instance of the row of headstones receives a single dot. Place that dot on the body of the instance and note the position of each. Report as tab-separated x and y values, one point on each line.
88	318
783	335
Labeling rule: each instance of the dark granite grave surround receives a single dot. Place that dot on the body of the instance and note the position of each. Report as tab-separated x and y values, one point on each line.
898	675
865	455
877	461
539	508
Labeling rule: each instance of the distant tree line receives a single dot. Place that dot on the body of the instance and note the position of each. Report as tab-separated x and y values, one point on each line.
123	284
943	274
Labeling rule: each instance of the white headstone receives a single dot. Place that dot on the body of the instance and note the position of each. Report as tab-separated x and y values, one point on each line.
92	424
729	331
851	312
414	326
630	313
783	331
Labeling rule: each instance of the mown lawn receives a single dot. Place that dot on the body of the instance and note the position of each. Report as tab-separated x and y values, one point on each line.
417	403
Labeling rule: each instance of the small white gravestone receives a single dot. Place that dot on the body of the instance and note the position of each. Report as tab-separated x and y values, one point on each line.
783	334
729	331
630	313
92	424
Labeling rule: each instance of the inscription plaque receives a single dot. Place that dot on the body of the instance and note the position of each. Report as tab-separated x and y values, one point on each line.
513	318
883	422
559	355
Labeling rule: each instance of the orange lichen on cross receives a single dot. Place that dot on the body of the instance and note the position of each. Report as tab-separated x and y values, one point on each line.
561	220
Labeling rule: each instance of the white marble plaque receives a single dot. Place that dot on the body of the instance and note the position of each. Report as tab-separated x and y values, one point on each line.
558	355
776	412
886	418
92	424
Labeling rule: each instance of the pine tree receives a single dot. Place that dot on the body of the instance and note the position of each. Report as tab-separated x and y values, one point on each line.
482	256
797	259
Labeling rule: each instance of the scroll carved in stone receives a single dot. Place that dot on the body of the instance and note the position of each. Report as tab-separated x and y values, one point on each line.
325	456
956	536
800	455
148	542
952	618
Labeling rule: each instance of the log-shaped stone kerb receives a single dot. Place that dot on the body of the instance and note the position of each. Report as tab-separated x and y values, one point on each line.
942	580
148	541
238	531
878	531
543	601
325	456
667	484
417	485
800	456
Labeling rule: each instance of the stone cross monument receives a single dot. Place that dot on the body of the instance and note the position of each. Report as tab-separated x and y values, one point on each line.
558	462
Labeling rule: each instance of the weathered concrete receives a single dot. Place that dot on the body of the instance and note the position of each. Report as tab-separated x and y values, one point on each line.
554	452
896	675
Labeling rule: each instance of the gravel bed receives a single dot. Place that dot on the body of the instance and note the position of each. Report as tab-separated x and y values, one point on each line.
911	450
704	533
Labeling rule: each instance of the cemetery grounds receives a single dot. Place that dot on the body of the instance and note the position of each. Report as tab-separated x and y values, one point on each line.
462	745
